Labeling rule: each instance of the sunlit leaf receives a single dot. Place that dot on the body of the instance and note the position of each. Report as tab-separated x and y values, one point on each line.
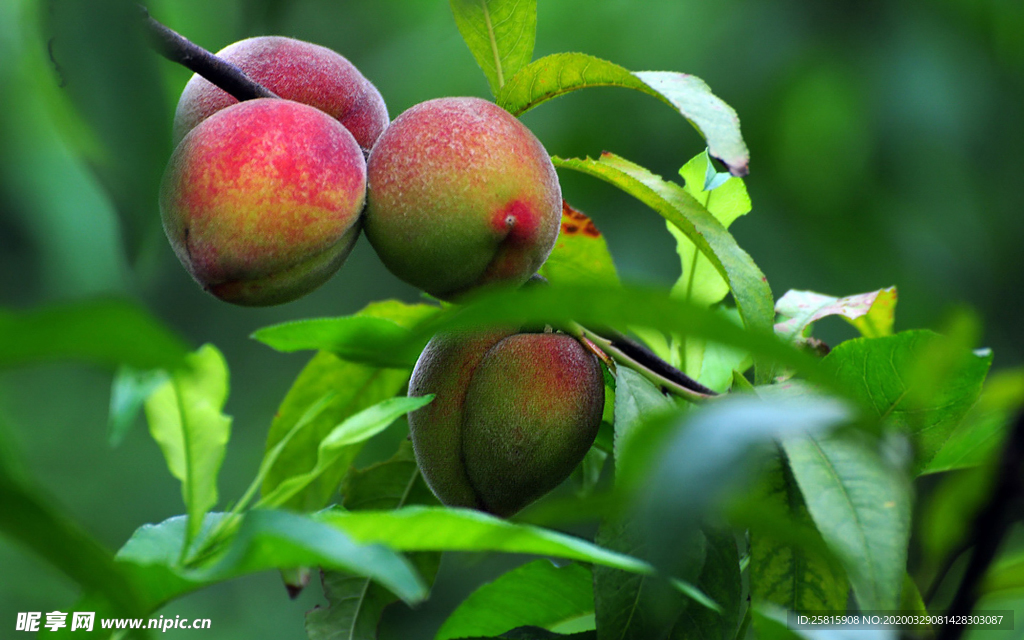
350	338
746	282
861	506
581	254
104	332
266	540
558	74
446	529
918	380
537	594
353	387
700	283
499	33
872	313
337	449
185	418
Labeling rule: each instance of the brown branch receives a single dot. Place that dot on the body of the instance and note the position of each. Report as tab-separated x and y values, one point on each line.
177	48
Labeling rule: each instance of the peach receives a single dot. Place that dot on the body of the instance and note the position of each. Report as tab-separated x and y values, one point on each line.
514	413
461	195
294	70
262	200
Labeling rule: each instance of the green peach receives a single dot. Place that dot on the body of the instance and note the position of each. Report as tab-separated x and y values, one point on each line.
294	70
261	201
461	195
514	413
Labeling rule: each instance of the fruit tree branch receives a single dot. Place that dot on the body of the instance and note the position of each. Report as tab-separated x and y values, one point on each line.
177	48
640	359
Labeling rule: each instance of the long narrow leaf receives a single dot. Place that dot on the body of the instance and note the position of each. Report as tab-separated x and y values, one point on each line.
185	418
748	285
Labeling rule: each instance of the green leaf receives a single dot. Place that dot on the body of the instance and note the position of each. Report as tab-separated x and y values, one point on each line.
984	427
916	379
558	74
748	285
391	484
686	464
636	400
446	529
631	606
128	393
616	307
871	313
499	33
581	254
337	448
355	604
720	579
537	594
912	602
358	338
104	332
784	569
352	387
700	282
185	418
1006	574
719	362
269	540
861	506
29	519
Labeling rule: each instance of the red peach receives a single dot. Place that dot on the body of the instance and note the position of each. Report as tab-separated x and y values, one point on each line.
461	195
262	200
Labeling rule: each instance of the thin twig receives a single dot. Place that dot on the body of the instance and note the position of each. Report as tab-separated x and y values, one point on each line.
689	389
649	359
177	48
990	527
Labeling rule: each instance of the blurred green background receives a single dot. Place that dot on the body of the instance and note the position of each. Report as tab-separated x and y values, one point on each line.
886	141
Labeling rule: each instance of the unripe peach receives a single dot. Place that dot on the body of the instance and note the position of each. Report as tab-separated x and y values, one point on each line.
294	70
514	413
262	200
461	194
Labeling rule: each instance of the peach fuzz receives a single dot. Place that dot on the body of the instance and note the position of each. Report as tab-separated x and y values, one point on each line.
261	201
461	195
513	415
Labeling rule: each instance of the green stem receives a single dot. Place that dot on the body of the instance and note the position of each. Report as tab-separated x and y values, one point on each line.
623	359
